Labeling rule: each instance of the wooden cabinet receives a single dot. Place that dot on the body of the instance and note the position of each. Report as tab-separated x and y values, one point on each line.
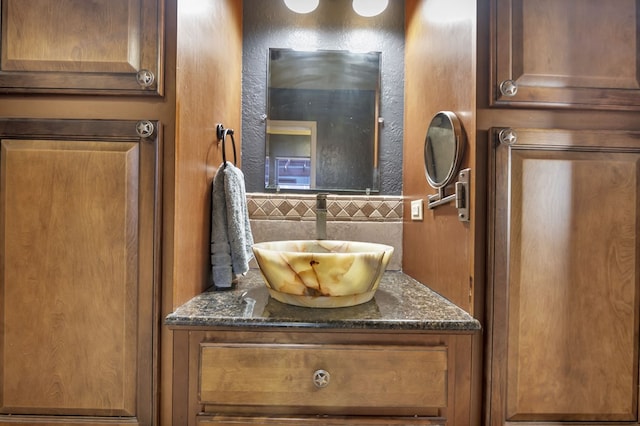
568	54
320	377
566	283
71	67
77	46
79	225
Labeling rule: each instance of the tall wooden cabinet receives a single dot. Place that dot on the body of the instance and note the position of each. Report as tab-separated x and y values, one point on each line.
564	197
106	145
80	208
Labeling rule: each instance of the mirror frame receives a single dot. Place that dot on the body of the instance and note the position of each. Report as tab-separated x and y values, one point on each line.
458	140
461	195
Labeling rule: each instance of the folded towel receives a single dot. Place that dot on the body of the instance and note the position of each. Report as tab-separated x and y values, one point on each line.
238	226
231	237
221	247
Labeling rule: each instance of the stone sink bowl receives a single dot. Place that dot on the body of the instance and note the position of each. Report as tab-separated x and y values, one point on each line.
322	273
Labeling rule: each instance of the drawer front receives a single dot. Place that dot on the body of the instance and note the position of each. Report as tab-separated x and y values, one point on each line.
317	421
339	376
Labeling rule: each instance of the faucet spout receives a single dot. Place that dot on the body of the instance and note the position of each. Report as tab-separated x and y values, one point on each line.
321	217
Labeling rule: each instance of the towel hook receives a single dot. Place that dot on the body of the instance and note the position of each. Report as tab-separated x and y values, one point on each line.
222	133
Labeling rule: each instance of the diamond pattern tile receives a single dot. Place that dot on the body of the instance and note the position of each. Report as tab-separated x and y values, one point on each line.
339	207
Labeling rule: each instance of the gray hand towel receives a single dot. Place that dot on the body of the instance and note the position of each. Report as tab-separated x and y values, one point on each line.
238	226
220	249
231	237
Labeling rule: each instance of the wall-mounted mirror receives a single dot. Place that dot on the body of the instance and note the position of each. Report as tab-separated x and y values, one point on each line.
443	150
322	114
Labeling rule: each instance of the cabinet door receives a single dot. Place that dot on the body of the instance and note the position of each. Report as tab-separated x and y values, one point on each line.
79	46
568	53
78	255
566	277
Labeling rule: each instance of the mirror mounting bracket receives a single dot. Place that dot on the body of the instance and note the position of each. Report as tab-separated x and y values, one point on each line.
460	196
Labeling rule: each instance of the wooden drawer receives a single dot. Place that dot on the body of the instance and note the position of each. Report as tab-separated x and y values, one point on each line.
317	421
314	376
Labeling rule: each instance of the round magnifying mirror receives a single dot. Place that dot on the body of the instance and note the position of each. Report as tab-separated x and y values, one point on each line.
443	149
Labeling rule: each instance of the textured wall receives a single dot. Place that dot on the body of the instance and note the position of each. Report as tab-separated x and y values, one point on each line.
333	26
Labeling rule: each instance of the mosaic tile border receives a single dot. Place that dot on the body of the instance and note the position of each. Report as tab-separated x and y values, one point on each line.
339	207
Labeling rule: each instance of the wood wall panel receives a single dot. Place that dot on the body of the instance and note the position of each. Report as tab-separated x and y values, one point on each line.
439	75
209	49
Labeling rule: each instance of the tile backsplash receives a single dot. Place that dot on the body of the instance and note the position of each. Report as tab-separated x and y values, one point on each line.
375	219
339	207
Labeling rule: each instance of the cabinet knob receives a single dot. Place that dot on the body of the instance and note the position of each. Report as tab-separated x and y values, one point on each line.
508	88
321	378
145	128
508	136
145	78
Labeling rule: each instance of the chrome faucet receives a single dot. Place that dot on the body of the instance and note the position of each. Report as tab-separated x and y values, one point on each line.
321	216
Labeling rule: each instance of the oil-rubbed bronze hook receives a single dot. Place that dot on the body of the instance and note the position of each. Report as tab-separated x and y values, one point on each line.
222	133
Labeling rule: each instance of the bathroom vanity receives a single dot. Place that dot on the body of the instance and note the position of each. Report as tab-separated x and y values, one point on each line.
241	357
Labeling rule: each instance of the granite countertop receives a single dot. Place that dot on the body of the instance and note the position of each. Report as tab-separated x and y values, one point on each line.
401	303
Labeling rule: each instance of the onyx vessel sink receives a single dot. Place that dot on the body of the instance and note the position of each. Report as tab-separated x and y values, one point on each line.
322	273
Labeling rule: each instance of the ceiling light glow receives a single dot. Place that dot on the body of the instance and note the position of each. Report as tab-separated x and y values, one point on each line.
302	6
369	8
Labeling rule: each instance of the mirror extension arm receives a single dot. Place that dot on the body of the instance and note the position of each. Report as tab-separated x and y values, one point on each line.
461	196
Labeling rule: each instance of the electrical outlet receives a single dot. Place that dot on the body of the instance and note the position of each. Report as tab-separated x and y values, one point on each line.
416	210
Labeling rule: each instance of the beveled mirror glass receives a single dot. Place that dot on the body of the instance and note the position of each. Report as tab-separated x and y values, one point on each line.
322	120
443	149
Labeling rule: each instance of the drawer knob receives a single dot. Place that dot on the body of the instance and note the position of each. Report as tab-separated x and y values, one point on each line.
145	128
321	378
509	88
145	78
508	137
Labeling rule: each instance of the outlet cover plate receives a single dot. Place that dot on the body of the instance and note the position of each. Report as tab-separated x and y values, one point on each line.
416	210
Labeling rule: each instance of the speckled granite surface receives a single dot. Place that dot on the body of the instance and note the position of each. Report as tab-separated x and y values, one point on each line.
401	303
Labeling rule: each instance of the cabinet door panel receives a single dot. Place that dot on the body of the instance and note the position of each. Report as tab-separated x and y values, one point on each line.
566	278
569	53
77	45
76	260
63	203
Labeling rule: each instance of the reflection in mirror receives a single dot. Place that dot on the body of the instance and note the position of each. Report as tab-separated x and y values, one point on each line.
322	109
291	154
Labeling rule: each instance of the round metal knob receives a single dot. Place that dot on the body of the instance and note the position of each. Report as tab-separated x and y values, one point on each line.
508	136
508	88
145	78
321	378
144	128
